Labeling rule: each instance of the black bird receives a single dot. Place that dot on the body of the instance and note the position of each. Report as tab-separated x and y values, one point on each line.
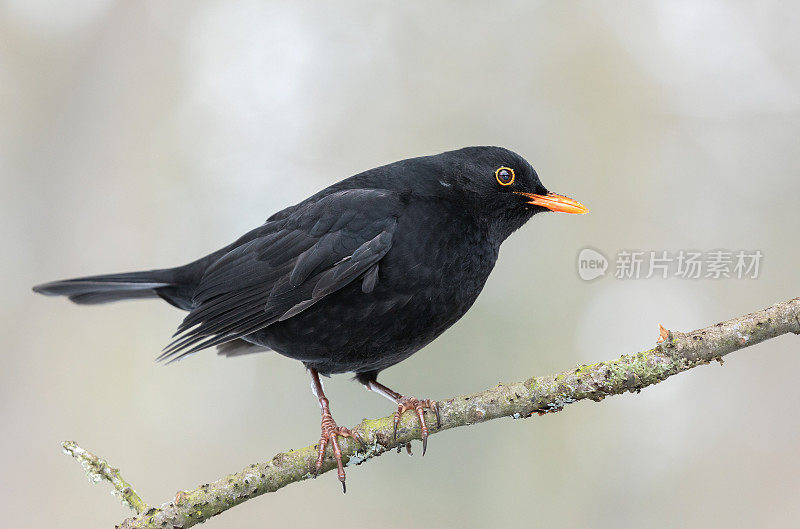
355	278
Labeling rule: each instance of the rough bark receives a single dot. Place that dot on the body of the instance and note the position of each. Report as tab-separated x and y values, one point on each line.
675	352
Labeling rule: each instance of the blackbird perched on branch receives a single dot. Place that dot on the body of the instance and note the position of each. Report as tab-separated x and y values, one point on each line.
355	278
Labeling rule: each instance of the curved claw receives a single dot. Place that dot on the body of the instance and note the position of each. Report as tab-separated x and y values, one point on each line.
412	403
330	435
357	437
396	422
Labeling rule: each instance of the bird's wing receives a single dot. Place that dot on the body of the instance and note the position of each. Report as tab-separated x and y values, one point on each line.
294	262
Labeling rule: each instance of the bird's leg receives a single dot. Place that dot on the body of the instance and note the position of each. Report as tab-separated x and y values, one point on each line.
330	431
408	403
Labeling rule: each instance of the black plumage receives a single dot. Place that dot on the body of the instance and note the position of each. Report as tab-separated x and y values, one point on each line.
355	278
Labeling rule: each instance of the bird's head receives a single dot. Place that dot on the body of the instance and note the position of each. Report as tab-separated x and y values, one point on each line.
496	185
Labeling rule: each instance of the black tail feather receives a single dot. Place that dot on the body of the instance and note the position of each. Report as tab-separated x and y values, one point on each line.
113	287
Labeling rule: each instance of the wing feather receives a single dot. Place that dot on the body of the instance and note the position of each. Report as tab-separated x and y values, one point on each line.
296	260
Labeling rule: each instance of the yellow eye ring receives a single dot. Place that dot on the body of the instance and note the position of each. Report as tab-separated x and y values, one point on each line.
504	176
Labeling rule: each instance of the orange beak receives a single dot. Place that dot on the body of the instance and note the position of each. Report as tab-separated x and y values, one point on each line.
555	202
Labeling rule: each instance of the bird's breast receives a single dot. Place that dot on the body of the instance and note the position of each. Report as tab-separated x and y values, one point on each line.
439	258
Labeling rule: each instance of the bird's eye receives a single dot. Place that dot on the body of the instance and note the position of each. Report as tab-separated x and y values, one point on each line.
505	176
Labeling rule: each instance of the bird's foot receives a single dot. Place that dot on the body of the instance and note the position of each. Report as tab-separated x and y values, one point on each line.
412	403
330	434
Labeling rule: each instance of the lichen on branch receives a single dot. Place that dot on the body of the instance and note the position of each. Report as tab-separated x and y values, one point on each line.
674	353
98	470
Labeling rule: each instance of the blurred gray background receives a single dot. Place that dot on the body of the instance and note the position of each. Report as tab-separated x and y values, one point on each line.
136	135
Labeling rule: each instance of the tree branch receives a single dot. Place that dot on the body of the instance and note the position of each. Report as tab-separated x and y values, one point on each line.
98	469
675	352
